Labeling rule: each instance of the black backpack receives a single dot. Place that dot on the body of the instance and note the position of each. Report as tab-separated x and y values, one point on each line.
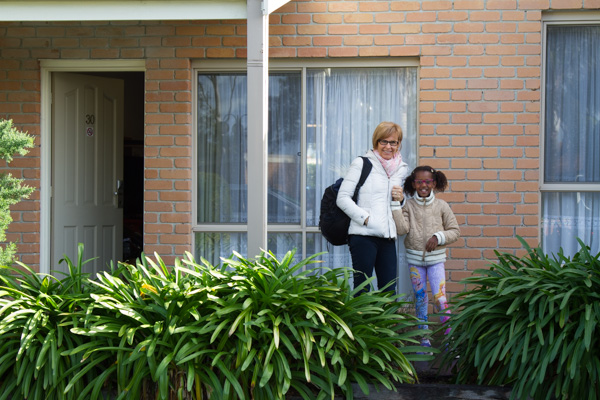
333	222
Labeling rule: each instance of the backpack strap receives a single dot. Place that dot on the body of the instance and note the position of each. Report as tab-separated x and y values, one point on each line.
366	170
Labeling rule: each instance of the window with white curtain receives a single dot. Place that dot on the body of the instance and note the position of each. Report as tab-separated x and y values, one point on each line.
320	119
571	161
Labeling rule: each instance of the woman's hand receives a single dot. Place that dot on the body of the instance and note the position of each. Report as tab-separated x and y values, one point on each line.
397	193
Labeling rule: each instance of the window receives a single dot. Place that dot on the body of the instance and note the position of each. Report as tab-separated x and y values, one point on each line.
320	119
571	163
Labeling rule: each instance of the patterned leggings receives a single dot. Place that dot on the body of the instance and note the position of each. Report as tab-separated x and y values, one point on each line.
437	281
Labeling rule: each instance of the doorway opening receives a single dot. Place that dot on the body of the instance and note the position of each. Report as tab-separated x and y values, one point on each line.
133	162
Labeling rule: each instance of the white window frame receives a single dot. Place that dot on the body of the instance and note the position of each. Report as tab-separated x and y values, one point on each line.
277	65
562	19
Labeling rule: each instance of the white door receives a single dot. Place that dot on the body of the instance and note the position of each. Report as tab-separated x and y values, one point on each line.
87	159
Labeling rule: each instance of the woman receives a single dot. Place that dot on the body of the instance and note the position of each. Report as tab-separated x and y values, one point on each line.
372	232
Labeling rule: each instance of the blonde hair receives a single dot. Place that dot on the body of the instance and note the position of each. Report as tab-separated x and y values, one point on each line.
385	129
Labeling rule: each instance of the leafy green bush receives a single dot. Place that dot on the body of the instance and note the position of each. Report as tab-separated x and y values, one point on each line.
35	323
245	329
532	323
12	190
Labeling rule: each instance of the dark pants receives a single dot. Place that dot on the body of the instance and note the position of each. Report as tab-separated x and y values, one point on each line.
368	253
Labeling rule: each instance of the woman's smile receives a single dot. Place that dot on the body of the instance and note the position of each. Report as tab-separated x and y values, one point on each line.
388	147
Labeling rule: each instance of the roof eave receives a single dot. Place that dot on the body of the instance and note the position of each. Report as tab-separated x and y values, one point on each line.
125	10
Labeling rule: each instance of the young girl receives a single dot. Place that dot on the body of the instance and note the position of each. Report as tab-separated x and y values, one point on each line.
429	225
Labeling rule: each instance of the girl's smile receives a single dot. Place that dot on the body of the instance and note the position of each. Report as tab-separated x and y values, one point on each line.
423	183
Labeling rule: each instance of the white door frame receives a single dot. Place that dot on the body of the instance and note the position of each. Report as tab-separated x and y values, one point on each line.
47	67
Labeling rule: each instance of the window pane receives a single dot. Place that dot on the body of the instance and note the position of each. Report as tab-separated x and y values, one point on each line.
280	243
335	257
285	96
344	106
568	216
572	120
222	147
213	246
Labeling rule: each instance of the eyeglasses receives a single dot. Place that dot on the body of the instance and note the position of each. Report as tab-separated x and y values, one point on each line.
424	181
393	143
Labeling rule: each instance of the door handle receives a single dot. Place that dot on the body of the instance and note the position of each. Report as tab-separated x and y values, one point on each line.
119	193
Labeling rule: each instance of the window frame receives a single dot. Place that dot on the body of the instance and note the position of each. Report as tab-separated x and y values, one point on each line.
548	20
564	19
279	65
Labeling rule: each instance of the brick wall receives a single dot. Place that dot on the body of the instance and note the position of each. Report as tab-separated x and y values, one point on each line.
20	101
168	145
480	70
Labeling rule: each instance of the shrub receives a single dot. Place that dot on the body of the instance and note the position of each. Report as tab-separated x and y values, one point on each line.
12	191
35	321
532	323
247	329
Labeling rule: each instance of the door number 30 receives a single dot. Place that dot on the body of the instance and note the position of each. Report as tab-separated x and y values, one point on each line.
90	119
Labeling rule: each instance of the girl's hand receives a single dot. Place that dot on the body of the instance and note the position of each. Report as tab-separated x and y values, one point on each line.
431	243
397	193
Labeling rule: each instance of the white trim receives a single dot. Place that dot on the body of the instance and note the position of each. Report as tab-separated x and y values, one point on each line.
126	10
542	135
570	187
570	17
300	63
47	67
93	65
194	158
271	5
45	168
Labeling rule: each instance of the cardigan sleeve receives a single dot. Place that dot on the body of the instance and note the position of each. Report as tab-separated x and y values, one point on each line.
402	220
451	231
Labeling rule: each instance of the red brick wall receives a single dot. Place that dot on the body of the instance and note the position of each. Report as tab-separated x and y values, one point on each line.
20	101
168	145
480	70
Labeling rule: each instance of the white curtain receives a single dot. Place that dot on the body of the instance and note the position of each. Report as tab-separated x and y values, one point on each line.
572	138
222	147
285	148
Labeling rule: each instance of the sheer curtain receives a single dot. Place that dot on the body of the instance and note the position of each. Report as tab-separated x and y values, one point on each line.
572	138
222	147
285	161
343	108
285	149
221	160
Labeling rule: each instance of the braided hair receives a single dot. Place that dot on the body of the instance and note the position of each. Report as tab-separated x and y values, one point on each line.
441	182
